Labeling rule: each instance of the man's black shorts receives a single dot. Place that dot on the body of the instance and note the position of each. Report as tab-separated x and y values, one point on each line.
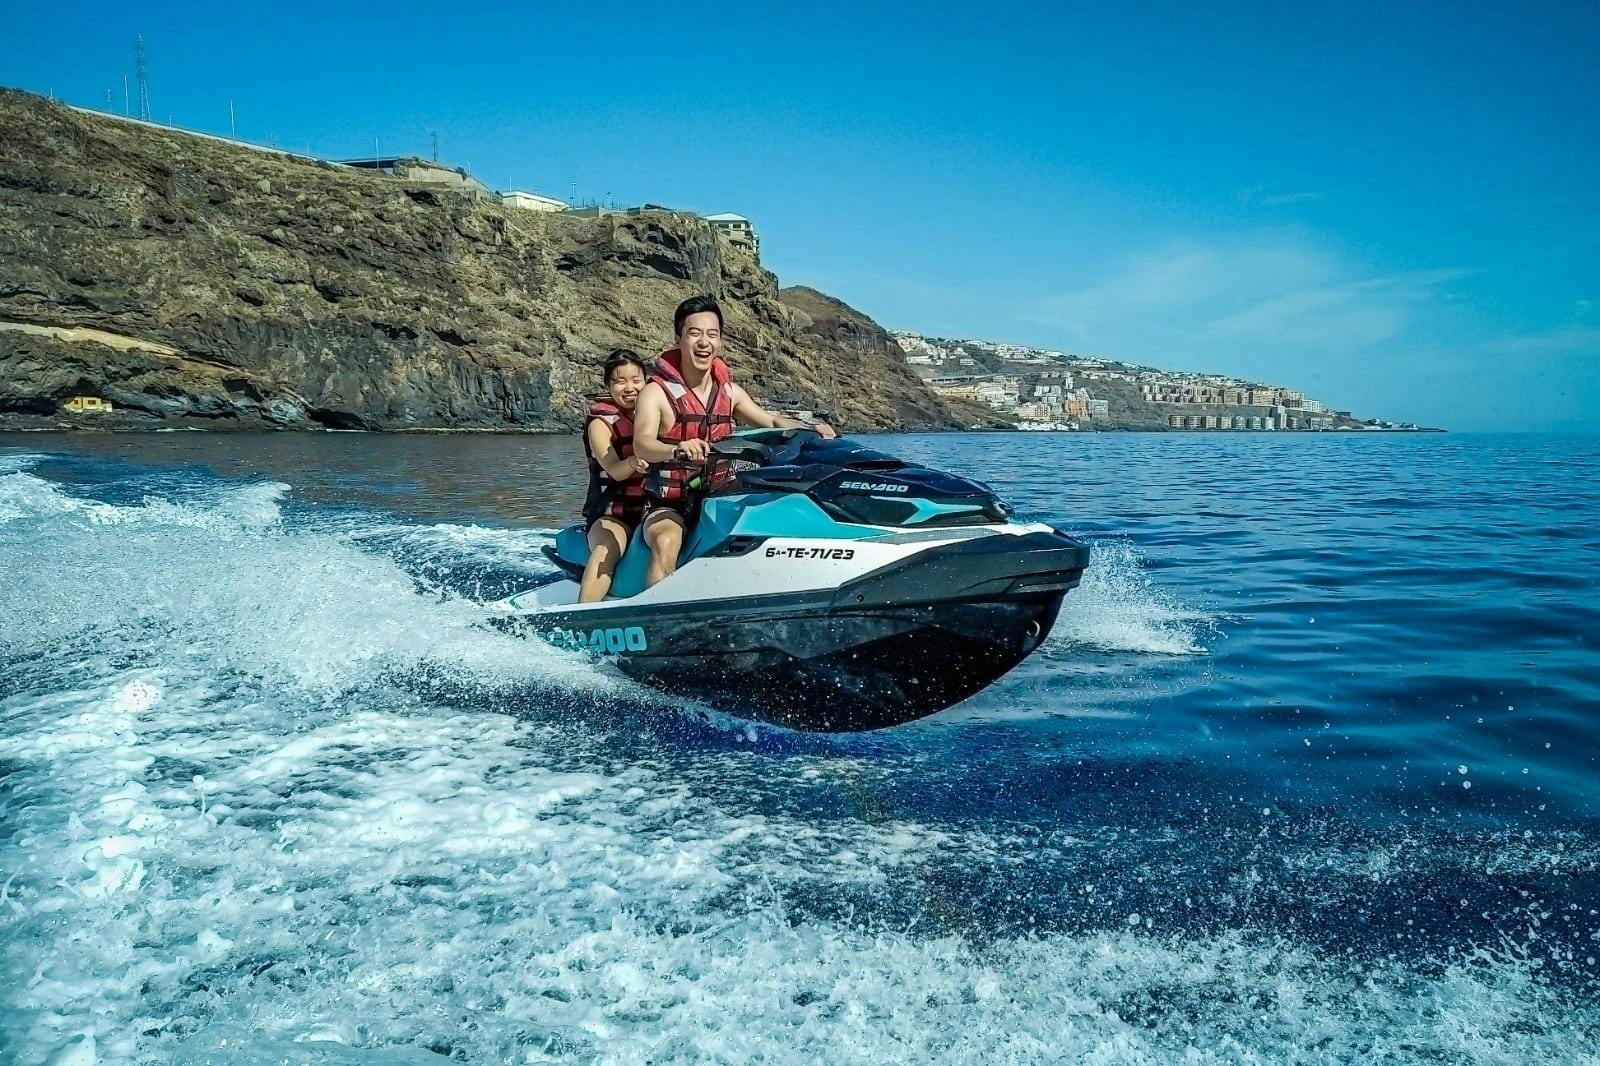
631	515
687	508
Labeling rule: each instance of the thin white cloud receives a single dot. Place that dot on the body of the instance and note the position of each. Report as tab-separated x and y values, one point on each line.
1181	287
1275	291
1287	199
1346	316
1572	339
1257	196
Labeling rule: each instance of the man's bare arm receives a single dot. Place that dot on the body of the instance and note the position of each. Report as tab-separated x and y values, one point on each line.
746	410
647	412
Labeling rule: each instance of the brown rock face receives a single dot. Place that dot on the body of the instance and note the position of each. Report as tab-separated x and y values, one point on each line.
193	281
839	327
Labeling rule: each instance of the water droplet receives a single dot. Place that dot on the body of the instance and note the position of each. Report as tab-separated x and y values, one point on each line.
1461	769
1466	784
1134	919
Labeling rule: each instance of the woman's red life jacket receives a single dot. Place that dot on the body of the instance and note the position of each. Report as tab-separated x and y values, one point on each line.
710	421
607	495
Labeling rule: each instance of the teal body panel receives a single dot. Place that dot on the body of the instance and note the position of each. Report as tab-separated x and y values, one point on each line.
767	514
756	514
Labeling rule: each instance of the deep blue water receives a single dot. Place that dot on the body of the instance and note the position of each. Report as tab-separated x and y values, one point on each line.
1307	772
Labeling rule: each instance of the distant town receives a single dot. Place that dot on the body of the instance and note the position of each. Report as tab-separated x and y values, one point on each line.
1044	390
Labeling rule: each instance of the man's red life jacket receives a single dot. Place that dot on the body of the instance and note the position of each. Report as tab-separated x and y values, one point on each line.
710	421
607	495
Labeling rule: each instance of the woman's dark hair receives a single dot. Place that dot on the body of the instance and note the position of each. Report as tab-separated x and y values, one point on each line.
693	306
622	357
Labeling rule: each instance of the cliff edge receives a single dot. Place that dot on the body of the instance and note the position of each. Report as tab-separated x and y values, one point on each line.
192	281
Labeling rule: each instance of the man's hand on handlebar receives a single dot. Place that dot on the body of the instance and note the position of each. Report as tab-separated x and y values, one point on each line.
692	450
824	430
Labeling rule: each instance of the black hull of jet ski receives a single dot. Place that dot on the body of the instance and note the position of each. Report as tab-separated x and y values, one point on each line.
881	668
887	648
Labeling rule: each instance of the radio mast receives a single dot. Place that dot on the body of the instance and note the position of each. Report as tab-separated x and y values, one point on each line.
139	74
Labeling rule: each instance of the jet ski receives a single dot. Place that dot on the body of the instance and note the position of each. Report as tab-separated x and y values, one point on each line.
825	586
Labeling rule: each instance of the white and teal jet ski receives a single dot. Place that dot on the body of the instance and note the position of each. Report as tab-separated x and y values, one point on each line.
825	586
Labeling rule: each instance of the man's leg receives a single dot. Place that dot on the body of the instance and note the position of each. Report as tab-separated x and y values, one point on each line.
608	539
663	531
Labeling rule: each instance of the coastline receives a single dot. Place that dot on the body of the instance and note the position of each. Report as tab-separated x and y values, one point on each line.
267	291
493	431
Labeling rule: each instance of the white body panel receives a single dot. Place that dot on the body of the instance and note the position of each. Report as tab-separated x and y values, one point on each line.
776	566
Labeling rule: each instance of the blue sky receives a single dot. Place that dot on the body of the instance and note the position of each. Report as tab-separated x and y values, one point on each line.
1395	207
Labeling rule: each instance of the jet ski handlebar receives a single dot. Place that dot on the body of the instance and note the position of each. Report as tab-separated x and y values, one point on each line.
737	448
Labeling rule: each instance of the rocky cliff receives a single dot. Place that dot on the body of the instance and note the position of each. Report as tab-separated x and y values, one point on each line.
192	281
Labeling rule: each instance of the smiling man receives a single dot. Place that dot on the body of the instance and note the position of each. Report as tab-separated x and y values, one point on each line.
689	404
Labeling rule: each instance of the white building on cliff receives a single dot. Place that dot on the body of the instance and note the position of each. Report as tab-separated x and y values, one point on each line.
736	229
532	201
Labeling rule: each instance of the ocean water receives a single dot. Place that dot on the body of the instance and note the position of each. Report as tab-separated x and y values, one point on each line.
1306	773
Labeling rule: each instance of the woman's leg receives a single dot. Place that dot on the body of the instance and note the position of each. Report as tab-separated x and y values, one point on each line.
663	531
608	539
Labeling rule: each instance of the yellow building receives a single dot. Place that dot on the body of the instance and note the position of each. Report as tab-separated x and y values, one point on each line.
80	405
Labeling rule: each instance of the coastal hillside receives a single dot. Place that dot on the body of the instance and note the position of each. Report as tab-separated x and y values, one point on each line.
1038	388
179	280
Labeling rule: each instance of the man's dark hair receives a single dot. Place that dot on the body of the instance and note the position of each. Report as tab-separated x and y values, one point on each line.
622	357
693	306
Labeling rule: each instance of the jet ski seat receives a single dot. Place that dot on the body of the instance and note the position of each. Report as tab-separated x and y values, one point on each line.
571	551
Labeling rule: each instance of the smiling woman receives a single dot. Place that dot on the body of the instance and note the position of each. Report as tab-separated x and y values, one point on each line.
616	500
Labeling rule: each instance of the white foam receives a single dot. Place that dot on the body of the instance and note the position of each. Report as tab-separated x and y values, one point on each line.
224	579
16	462
492	541
24	496
1118	608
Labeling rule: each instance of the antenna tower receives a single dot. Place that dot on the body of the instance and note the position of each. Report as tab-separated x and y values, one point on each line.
139	73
